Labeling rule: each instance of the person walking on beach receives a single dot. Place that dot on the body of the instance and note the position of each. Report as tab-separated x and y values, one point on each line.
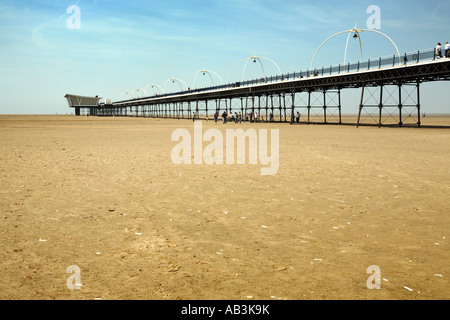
298	117
216	117
224	117
193	117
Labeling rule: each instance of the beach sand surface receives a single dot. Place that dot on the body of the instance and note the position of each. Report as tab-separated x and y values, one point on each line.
103	194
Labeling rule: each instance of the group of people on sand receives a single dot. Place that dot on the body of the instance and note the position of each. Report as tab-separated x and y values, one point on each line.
237	117
446	50
232	117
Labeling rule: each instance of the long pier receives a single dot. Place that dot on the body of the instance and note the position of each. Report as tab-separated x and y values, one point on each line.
390	91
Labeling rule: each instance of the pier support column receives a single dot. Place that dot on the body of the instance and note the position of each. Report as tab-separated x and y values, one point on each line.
280	107
340	106
396	103
292	107
267	108
309	107
272	109
418	104
253	109
380	107
400	105
361	105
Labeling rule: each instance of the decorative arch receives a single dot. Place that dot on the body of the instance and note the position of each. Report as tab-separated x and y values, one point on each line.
137	90
125	93
204	72
254	58
356	33
152	85
181	83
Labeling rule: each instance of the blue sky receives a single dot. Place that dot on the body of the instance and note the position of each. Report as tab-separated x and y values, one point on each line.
126	45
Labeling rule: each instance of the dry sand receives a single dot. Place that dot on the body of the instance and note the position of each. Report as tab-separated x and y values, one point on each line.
104	195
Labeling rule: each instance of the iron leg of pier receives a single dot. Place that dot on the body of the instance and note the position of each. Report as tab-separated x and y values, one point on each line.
380	107
360	105
418	105
400	105
339	106
309	106
292	107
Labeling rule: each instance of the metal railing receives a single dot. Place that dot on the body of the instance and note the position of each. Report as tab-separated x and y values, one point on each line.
359	66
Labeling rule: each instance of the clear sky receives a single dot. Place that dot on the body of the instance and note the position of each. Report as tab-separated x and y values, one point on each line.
124	45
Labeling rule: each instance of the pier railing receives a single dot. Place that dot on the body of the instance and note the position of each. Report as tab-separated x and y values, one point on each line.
359	66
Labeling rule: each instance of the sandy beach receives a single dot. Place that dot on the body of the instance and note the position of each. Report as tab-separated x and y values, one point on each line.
103	194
